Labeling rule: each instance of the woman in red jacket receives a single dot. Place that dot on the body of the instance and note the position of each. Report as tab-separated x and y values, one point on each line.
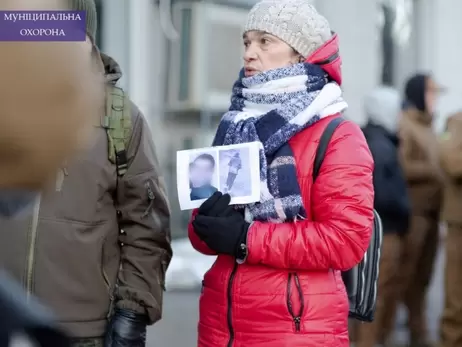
276	281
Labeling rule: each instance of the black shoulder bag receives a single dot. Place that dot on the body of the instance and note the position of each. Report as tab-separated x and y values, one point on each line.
360	281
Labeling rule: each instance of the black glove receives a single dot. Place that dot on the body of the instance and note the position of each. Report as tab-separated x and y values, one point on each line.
126	329
223	233
216	206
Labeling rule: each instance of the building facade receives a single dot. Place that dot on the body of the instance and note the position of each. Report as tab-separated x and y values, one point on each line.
180	59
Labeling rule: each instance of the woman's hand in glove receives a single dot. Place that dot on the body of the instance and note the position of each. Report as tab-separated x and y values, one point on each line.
215	206
223	233
126	329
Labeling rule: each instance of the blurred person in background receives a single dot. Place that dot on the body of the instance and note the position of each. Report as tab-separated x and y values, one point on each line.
97	245
277	278
383	108
42	83
451	162
51	96
420	161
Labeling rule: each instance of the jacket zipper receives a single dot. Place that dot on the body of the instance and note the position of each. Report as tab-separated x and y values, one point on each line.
111	295
230	297
32	244
109	289
296	318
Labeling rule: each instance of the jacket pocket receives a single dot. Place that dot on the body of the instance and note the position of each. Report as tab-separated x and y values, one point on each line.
294	290
68	270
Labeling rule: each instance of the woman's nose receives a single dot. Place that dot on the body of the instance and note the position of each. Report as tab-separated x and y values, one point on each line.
250	54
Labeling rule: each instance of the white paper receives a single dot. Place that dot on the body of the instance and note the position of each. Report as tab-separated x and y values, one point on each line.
233	169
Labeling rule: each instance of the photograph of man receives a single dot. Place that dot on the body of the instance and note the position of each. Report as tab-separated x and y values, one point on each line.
235	164
201	175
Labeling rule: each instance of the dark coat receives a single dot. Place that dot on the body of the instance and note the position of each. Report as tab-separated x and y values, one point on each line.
391	199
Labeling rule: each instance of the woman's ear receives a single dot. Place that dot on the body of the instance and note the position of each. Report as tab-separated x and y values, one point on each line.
297	59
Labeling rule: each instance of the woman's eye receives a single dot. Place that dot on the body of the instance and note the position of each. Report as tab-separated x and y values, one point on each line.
264	41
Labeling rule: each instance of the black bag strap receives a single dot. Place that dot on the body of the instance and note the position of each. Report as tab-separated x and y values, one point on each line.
323	143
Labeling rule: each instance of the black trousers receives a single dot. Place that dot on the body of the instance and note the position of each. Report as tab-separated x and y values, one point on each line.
230	180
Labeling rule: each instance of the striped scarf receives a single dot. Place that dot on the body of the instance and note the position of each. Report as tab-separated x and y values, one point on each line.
270	108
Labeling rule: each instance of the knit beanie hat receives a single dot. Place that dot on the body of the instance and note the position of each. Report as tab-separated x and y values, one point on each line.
89	7
296	22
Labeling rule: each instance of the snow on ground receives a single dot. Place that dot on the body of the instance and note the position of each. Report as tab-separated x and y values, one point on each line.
187	267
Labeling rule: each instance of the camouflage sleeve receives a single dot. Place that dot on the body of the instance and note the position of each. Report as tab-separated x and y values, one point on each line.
145	223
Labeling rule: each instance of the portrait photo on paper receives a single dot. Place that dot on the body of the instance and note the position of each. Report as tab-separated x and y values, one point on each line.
232	169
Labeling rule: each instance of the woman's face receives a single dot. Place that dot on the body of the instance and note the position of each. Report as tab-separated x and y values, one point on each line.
432	93
265	52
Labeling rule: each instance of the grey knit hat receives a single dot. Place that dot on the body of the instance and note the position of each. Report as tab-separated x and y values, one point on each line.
89	7
296	22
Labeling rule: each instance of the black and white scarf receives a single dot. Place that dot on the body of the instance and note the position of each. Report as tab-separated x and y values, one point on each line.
270	108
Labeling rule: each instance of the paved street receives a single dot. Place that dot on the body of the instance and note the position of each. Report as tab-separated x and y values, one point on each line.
178	327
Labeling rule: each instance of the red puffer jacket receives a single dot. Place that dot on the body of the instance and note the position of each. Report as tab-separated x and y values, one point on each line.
289	292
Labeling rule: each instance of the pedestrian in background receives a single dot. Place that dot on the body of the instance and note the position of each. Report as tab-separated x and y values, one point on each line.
277	278
420	161
51	96
383	109
451	162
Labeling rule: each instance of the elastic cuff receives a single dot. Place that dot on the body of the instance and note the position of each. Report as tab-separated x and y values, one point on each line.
132	306
245	233
242	251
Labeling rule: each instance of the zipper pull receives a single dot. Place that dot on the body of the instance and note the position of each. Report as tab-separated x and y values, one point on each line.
151	198
297	321
150	192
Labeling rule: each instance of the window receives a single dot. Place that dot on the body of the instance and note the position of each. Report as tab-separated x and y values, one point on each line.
396	27
387	46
